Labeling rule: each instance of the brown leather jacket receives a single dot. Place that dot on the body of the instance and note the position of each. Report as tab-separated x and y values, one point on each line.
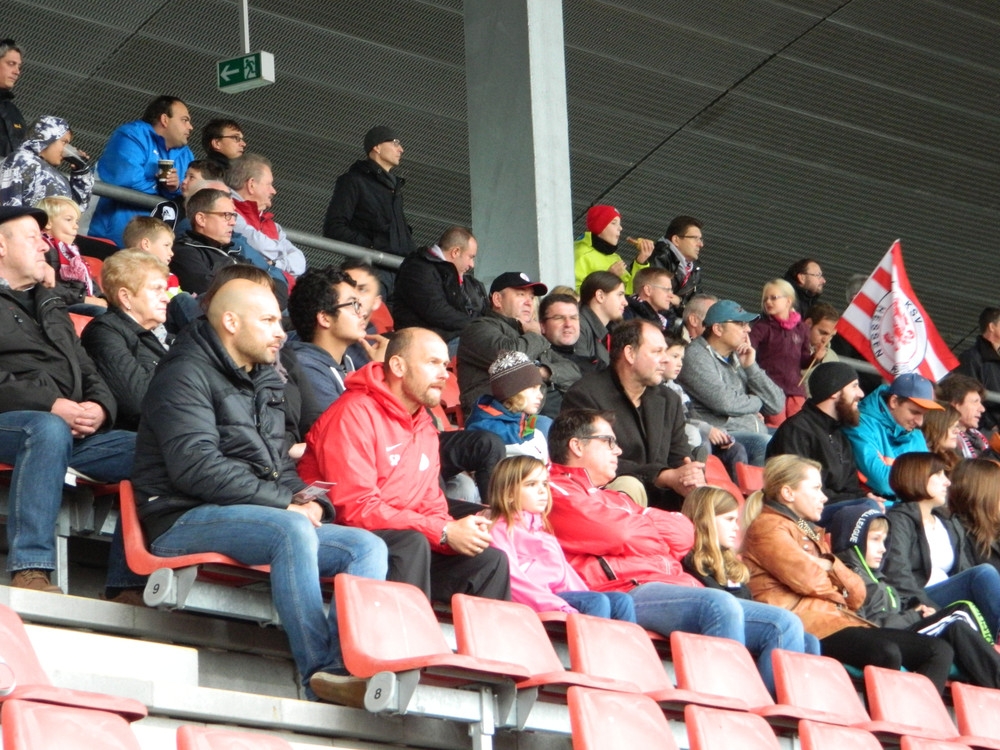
785	571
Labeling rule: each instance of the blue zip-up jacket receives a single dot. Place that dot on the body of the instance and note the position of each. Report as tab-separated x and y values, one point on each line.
878	439
130	160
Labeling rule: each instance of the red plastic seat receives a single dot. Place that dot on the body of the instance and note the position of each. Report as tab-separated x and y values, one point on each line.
724	667
749	478
909	700
633	659
28	725
606	720
821	689
390	627
920	743
79	322
717	476
512	632
977	712
144	562
94	268
715	729
211	738
815	735
32	684
451	399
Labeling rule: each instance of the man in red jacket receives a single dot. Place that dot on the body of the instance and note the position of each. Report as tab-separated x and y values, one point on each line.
378	445
616	545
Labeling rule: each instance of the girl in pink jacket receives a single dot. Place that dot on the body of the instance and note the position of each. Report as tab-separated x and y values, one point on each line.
540	577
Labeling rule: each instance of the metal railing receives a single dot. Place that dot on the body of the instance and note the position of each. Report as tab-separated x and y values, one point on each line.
321	246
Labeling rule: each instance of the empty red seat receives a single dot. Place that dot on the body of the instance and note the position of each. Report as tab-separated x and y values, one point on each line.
815	735
213	738
606	720
28	725
633	659
30	683
716	729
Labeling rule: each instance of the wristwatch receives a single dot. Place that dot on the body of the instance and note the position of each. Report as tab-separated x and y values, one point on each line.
444	537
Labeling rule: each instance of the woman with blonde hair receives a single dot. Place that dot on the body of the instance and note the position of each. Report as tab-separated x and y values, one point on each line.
129	340
974	498
781	339
791	566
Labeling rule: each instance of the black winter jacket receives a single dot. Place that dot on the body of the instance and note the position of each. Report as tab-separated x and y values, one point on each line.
982	362
12	128
197	258
907	564
126	355
818	436
428	294
651	437
366	209
41	358
210	432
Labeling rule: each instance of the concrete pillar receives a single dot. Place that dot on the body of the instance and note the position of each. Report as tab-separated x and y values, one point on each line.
519	138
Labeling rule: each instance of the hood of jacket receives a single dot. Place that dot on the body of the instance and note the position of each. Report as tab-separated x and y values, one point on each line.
370	379
44	132
876	405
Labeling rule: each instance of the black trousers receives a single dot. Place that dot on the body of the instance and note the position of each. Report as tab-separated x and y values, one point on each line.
439	576
977	660
475	451
892	649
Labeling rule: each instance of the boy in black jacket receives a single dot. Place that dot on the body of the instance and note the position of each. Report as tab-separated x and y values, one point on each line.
859	537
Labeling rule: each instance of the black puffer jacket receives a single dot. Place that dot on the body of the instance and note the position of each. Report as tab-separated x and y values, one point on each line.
126	355
41	358
211	432
428	294
12	127
367	210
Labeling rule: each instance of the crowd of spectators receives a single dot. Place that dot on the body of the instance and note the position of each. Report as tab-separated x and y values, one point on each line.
278	414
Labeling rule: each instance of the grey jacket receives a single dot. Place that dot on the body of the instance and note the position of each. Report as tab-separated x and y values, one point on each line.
726	394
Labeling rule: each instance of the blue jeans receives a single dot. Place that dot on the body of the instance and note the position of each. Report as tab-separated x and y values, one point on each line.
613	605
979	585
40	447
299	554
762	628
755	443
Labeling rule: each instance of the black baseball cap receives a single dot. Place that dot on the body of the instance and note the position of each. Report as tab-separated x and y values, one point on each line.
515	280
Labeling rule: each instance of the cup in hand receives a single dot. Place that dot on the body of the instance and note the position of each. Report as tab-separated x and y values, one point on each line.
164	165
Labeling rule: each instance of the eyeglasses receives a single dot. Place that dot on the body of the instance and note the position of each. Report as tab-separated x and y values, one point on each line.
563	318
740	323
610	440
238	137
664	288
817	275
774	297
697	237
355	303
227	215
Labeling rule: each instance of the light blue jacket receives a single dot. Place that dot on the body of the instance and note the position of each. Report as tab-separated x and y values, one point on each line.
130	160
878	439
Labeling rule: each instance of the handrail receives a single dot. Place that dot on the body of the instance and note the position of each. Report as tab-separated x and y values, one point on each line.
314	241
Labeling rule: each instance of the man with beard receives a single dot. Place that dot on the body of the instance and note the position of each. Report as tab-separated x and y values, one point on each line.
378	447
815	432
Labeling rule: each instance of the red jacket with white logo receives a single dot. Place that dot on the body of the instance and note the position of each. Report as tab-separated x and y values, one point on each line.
614	544
383	460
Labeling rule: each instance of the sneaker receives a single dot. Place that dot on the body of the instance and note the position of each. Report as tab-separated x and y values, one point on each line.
37	580
339	689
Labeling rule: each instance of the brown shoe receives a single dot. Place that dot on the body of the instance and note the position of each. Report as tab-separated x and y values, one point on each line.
130	596
37	580
335	688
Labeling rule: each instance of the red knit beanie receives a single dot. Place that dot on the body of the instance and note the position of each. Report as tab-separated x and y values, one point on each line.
598	217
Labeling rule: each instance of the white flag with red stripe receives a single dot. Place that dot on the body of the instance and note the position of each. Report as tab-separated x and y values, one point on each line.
887	324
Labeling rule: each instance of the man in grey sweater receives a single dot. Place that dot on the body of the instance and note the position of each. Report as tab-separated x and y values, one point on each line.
728	389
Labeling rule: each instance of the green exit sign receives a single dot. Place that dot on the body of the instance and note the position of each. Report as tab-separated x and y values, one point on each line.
248	72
